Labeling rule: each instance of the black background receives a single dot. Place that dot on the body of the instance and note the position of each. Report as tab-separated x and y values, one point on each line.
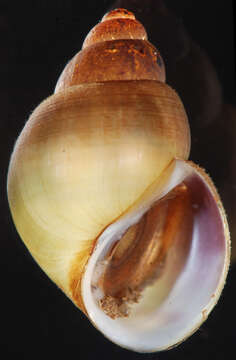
37	39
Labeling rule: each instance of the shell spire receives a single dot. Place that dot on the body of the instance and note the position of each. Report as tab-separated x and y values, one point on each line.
115	49
116	25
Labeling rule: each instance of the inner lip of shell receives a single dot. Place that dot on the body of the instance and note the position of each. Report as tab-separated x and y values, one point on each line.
138	258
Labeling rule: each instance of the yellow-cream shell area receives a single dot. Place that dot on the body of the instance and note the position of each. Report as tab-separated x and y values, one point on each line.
83	158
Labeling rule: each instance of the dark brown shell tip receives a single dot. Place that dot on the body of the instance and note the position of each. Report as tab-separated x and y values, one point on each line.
118	13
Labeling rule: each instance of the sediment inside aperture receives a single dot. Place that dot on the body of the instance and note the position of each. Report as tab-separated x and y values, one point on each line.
138	259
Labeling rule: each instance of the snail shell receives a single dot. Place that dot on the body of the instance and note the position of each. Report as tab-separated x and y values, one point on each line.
104	198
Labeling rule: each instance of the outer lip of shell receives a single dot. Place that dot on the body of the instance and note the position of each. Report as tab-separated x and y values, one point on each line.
186	306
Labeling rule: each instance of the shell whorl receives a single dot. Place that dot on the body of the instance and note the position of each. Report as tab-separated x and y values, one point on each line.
115	49
116	25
